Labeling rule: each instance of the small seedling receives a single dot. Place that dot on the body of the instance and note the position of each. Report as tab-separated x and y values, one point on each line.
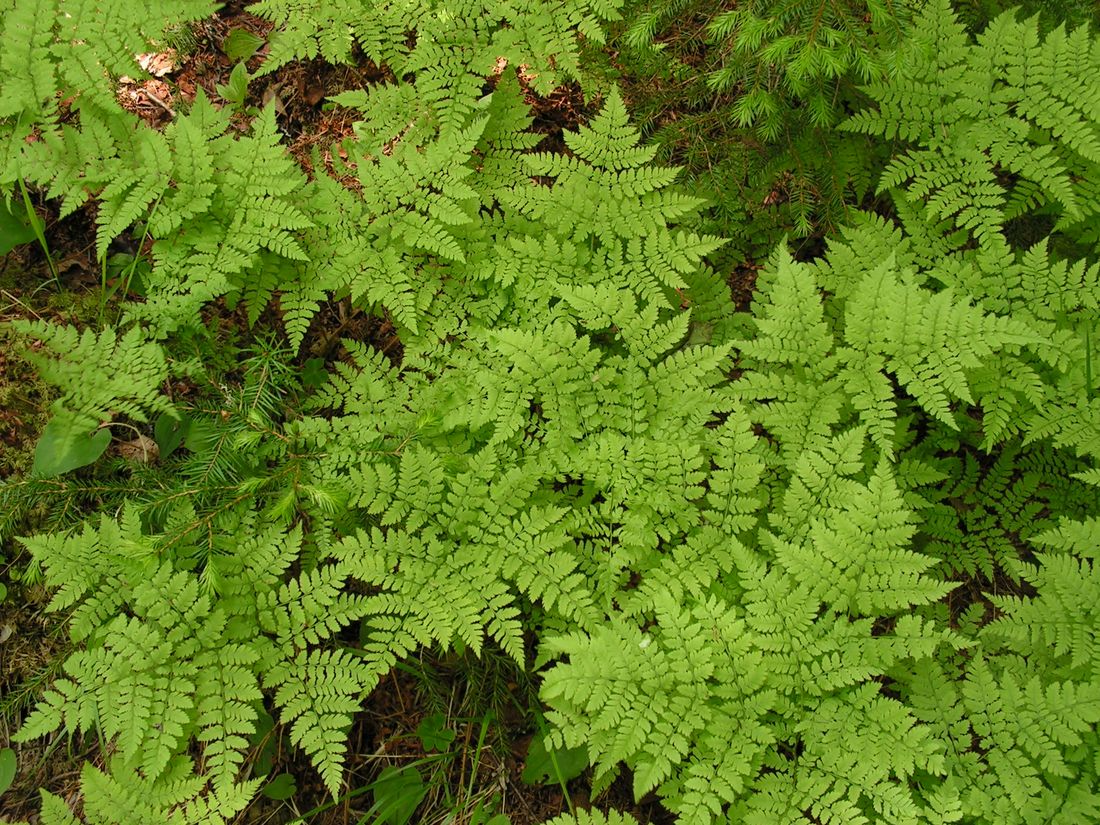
282	787
241	44
235	90
432	733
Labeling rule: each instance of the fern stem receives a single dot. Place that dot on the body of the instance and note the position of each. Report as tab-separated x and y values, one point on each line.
124	287
540	720
1089	389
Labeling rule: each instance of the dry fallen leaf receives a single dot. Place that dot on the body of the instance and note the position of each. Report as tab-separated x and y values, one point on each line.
158	64
272	93
142	449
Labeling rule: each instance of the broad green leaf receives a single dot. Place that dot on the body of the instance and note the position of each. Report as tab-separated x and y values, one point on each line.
281	787
556	766
397	793
8	766
313	373
241	44
61	448
14	229
169	432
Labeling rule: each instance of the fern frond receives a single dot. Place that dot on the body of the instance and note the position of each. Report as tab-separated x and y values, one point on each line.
318	692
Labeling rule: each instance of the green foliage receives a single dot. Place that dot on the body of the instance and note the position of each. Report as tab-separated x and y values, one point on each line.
549	765
827	560
593	817
98	374
468	527
171	653
776	55
51	46
118	796
8	767
456	47
1013	106
746	97
759	695
100	377
397	793
15	228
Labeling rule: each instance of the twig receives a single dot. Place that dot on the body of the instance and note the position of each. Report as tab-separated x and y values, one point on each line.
171	112
12	298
